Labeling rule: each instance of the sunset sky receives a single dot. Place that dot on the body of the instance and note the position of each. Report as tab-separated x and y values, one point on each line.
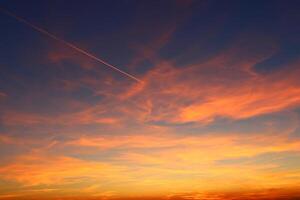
212	111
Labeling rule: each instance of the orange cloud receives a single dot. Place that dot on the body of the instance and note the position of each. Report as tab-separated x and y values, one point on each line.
234	92
261	98
226	87
36	170
226	146
157	164
130	141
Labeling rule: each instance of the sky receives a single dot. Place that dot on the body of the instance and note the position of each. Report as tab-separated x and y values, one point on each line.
212	113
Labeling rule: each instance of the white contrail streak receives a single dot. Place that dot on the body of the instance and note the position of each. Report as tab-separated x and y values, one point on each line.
69	44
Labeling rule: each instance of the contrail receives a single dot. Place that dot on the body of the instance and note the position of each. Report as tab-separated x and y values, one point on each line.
68	44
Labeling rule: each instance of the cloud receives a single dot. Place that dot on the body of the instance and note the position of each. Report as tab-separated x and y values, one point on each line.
3	95
59	55
165	158
222	146
225	88
89	116
150	162
154	159
88	134
38	169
